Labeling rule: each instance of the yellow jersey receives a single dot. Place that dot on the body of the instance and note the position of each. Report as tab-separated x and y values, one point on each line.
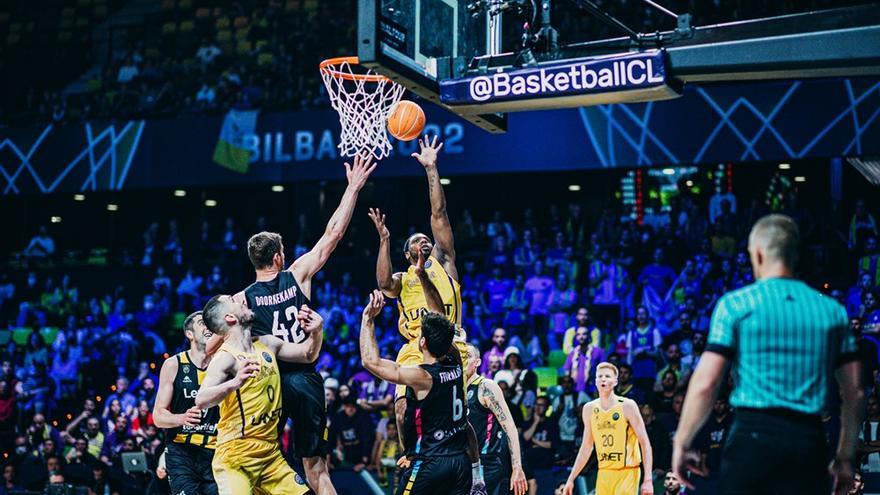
411	301
617	446
253	410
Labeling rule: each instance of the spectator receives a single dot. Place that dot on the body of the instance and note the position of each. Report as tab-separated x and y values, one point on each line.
711	443
566	409
665	394
582	361
641	344
561	301
114	442
144	374
352	432
526	254
523	381
230	238
188	295
41	245
9	485
499	343
495	291
40	431
498	254
127	401
538	289
673	364
870	261
625	386
205	96
517	304
861	226
607	283
659	438
141	420
541	436
582	320
672	485
857	294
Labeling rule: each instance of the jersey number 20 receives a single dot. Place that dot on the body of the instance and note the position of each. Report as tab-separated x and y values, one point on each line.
288	331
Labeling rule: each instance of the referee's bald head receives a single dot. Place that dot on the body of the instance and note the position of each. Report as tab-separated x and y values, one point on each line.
777	238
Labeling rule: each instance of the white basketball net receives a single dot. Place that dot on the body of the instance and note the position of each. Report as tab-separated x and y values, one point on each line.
363	101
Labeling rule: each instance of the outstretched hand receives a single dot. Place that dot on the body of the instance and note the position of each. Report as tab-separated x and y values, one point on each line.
378	219
309	320
428	151
374	306
358	174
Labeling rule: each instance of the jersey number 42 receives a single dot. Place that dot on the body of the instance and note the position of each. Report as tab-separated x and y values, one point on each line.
289	330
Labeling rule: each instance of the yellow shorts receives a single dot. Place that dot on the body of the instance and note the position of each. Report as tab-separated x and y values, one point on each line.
411	355
618	482
249	466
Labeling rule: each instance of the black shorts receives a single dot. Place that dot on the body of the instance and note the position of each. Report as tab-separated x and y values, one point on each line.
755	465
496	474
189	470
440	475
302	400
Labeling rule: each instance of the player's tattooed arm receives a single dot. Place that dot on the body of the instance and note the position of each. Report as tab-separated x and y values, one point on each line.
388	281
307	265
441	228
492	398
411	376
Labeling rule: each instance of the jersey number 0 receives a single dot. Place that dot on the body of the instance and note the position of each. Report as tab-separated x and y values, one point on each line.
289	330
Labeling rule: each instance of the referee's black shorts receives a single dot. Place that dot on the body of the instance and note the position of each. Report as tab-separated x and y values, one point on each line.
302	400
775	452
189	469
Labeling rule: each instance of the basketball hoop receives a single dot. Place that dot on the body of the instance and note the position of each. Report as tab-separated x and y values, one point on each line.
363	101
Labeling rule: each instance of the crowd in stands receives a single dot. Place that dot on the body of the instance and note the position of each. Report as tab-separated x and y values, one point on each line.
202	57
546	297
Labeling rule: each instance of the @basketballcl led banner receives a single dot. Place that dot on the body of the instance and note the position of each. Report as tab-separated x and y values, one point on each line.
611	79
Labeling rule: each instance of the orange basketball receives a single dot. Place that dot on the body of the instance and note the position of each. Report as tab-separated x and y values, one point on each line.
407	121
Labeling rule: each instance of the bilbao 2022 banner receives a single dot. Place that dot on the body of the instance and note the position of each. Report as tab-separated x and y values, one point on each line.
767	121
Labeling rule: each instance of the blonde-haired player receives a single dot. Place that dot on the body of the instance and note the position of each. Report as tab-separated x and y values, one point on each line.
615	426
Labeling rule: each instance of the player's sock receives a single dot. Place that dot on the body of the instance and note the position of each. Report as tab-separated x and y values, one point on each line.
477	472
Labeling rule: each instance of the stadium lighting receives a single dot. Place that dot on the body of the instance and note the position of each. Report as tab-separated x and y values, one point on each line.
574	187
179	193
689	183
79	197
56	219
210	202
784	166
668	171
800	178
112	207
444	181
278	188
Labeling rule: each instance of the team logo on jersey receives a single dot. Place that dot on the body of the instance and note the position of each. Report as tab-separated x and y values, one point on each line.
186	380
186	368
470	394
299	481
438	435
267	357
615	416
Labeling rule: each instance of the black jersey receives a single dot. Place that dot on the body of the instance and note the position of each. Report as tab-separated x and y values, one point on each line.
437	424
491	438
186	388
275	304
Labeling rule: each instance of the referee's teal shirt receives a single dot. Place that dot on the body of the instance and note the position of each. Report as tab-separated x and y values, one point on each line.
784	340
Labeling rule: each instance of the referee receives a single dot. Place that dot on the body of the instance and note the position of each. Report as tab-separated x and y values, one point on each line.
782	341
